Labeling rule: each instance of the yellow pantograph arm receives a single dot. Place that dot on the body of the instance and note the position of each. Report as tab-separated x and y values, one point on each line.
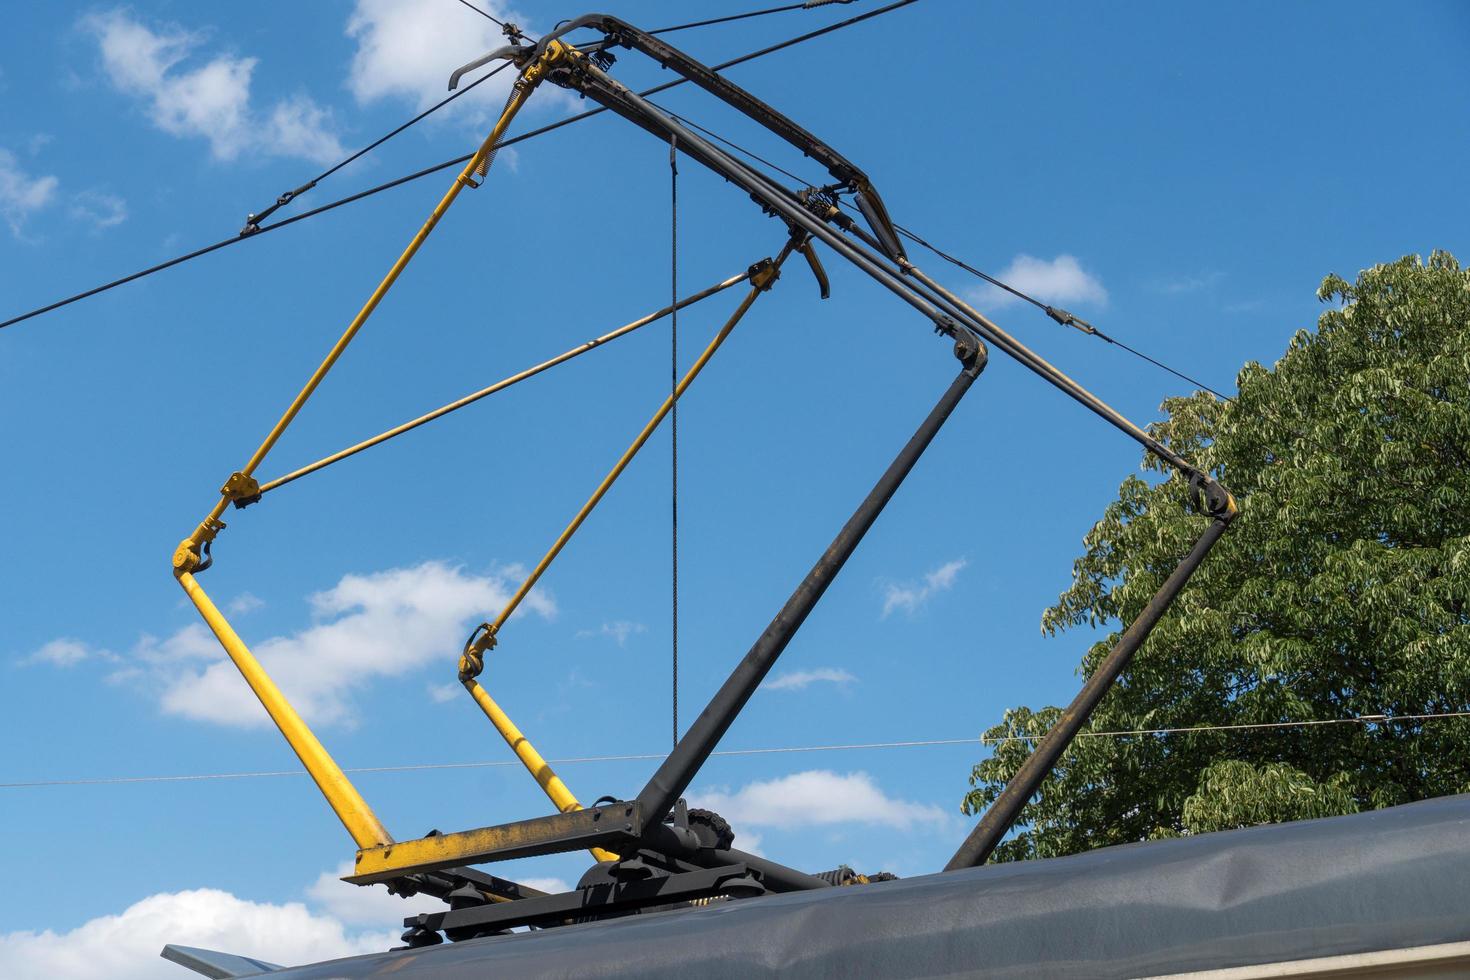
187	557
472	661
361	823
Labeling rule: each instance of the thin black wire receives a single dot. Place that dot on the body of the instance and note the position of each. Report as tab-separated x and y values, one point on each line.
482	13
734	146
674	414
252	225
362	195
1048	309
427	112
728	19
958	262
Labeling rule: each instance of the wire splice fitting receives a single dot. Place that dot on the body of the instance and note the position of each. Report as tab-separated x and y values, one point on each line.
1069	320
472	660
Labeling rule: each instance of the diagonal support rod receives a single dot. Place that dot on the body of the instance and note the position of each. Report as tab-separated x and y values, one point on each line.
1002	814
677	771
502	384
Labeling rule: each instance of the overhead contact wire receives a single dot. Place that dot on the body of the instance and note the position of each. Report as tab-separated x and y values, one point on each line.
436	168
674	425
774	750
1050	311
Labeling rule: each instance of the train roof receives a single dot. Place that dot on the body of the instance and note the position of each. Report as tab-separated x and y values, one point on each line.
1384	880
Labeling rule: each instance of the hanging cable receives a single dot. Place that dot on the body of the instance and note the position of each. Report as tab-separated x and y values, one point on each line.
252	221
802	181
674	418
482	13
1061	316
436	168
732	17
1382	720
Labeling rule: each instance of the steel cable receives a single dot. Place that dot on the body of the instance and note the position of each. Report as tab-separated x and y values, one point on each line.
436	168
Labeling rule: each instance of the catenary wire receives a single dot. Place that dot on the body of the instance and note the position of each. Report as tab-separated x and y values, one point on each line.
1086	327
728	18
674	428
774	750
457	161
252	223
482	13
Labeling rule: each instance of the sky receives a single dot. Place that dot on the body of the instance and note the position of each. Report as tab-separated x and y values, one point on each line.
1183	177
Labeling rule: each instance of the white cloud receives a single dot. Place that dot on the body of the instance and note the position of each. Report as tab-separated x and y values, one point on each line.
1189	284
126	946
368	626
245	602
99	209
818	797
211	100
365	905
21	195
619	631
910	597
66	651
799	679
445	693
406	50
1061	280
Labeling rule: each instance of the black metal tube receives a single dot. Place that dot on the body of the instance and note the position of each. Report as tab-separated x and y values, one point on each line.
777	877
921	292
1023	785
676	772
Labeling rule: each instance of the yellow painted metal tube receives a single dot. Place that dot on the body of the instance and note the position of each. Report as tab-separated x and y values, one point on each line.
549	781
520	93
343	797
502	384
627	457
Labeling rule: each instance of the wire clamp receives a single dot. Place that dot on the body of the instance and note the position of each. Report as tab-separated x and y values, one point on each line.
252	221
472	660
241	490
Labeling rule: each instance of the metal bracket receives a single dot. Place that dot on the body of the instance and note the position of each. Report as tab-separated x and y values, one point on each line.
241	490
763	274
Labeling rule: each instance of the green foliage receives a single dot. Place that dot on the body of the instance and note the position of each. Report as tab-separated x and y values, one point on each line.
1342	590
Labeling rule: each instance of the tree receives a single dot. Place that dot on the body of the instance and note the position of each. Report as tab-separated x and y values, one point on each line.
1342	591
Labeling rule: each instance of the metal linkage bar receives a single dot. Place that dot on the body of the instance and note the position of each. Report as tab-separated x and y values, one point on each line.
677	771
597	900
906	281
498	386
615	824
192	554
761	276
188	557
1002	814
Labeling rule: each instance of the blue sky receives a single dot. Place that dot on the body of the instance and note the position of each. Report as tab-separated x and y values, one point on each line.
1181	177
